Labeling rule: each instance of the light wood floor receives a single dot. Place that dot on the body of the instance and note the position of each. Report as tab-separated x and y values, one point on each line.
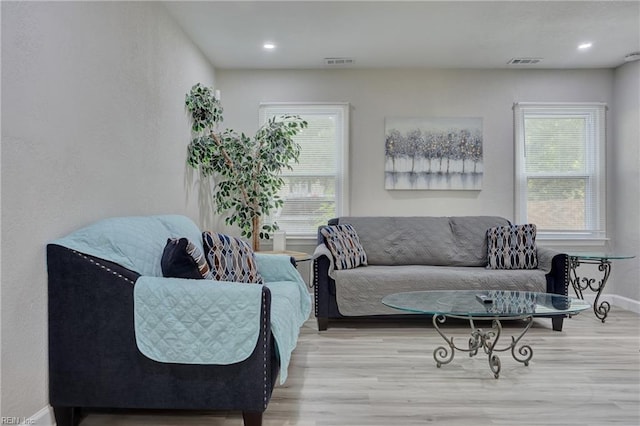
383	373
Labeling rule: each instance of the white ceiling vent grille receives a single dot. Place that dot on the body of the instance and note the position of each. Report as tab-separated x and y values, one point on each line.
523	61
632	57
338	61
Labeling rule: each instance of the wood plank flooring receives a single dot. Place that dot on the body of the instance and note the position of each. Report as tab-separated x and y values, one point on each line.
382	373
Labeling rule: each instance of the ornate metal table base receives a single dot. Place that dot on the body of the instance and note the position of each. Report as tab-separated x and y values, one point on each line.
580	284
485	340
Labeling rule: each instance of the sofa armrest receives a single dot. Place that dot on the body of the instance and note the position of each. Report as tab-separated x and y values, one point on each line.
94	360
556	266
276	267
196	321
545	258
321	284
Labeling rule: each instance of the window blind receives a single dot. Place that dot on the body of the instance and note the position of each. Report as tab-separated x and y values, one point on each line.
314	190
560	168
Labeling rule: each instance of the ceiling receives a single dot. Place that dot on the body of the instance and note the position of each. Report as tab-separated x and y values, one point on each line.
411	34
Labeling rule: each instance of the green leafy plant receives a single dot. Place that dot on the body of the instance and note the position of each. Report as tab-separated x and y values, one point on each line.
246	170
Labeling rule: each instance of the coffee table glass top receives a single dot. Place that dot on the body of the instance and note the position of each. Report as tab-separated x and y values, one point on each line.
503	303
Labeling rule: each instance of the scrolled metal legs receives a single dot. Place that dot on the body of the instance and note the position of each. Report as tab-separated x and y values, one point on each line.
524	352
600	309
485	339
441	354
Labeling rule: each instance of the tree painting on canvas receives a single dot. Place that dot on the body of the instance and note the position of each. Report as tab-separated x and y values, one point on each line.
433	153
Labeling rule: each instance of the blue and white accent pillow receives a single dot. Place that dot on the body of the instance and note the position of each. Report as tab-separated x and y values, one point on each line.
512	247
230	259
344	244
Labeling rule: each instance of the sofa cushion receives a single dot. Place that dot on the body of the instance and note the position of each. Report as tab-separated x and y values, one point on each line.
344	244
183	259
230	258
512	247
437	241
359	291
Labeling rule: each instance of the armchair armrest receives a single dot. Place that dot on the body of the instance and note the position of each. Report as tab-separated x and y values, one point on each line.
94	360
194	321
276	267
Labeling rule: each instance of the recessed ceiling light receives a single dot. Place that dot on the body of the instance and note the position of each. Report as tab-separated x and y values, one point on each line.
269	46
584	46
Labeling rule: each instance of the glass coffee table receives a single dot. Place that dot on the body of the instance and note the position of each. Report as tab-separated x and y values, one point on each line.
495	305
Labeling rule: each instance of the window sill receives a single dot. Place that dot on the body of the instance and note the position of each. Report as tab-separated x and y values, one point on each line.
571	243
295	242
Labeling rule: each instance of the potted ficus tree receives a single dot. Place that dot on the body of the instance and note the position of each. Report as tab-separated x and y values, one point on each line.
246	170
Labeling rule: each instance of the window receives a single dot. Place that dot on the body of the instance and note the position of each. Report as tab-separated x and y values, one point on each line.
560	169
317	188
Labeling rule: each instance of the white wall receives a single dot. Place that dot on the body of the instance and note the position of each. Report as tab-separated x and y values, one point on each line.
625	275
376	94
93	125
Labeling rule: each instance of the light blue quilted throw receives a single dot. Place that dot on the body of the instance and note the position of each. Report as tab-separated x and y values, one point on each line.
195	321
135	242
213	322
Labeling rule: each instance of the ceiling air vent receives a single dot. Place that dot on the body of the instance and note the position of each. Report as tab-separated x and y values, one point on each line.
523	61
338	61
632	57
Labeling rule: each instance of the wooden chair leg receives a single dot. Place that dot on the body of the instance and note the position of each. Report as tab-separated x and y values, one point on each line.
252	418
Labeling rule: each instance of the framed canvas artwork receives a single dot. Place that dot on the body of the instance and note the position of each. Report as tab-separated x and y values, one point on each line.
433	153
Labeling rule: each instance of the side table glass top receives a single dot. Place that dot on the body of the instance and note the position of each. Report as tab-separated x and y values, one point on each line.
504	303
600	255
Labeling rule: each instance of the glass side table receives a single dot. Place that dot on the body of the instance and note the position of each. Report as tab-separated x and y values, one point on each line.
580	284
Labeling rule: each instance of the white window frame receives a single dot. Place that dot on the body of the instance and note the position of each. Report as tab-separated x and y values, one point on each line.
595	234
341	110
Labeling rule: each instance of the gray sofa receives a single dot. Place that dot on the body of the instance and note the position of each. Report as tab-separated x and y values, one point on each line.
423	253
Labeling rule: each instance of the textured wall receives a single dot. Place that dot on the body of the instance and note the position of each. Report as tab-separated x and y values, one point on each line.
376	94
93	125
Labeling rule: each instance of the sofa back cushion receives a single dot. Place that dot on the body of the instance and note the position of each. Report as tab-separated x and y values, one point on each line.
136	243
437	241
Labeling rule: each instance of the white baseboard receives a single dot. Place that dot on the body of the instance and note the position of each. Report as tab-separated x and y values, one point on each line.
43	417
616	301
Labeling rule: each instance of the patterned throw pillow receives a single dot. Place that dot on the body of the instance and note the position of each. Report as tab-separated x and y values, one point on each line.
183	259
512	247
344	244
230	258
